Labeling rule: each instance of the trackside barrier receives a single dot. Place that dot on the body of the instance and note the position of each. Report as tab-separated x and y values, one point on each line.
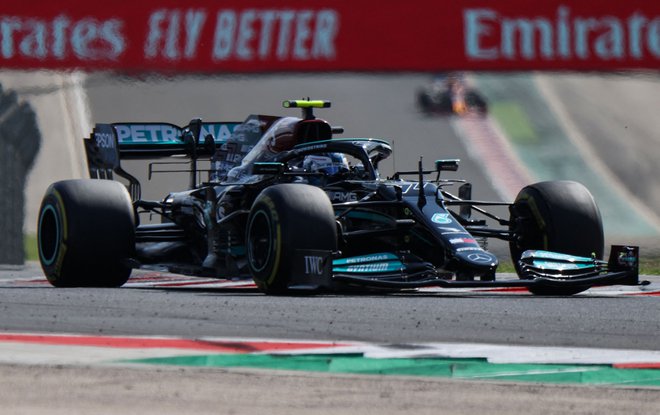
19	144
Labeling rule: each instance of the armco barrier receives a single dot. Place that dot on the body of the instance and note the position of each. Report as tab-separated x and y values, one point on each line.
19	144
330	35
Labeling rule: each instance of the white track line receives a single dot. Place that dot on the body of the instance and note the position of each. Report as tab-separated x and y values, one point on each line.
72	351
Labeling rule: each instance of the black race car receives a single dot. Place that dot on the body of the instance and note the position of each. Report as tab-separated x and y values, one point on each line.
287	203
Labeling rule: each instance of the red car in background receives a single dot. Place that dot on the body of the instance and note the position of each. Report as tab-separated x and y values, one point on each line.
450	94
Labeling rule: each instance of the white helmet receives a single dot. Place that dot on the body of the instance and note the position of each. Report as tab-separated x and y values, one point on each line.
328	163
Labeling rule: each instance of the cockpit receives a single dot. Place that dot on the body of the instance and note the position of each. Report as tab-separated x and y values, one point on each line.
286	138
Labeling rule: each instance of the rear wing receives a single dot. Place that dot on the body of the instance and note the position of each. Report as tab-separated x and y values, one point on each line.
154	140
109	143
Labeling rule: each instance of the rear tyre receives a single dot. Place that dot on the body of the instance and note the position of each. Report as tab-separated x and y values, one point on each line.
558	216
86	232
284	218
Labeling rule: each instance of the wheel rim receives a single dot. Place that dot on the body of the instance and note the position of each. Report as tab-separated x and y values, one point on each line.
260	241
49	235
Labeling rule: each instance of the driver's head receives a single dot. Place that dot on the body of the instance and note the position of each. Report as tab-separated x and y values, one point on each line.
328	163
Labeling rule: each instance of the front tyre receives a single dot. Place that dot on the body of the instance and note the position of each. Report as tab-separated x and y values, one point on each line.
284	218
557	216
86	232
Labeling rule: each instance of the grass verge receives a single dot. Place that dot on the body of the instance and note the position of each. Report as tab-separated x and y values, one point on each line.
30	247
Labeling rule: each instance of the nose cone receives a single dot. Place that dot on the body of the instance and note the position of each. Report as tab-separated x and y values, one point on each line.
478	259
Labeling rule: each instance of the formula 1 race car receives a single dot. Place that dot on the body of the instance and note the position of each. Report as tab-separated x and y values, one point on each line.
297	209
450	94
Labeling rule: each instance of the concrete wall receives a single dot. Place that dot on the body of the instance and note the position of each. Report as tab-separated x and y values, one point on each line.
63	119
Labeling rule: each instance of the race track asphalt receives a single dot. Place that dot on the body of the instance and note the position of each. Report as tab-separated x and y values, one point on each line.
599	319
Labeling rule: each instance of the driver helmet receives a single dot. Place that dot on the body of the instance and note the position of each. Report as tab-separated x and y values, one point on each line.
329	164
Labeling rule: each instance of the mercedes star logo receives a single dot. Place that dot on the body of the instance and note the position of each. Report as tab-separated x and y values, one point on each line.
480	257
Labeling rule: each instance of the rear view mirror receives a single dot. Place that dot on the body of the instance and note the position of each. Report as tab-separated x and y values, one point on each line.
465	193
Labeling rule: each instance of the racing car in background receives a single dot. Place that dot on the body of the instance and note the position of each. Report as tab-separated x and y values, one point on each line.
450	94
288	203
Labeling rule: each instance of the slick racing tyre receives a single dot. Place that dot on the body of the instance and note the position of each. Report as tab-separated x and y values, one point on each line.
86	232
557	216
284	218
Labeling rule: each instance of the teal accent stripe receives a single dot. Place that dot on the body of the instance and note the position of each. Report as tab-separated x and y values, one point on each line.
370	268
364	259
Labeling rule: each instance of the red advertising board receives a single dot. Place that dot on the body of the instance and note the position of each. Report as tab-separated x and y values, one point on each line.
330	35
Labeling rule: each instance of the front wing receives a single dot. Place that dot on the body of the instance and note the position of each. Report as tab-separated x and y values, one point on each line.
318	270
